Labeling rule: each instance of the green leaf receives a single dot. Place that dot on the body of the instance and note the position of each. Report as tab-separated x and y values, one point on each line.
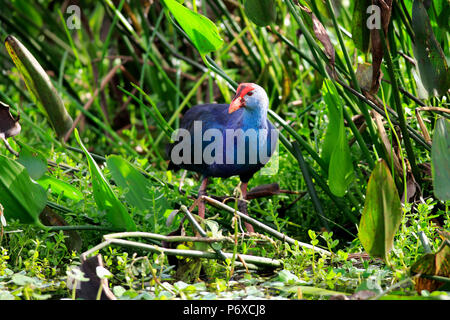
202	31
440	156
33	161
430	58
335	151
334	120
60	187
382	213
360	32
287	277
261	12
40	86
134	184
106	200
21	197
138	191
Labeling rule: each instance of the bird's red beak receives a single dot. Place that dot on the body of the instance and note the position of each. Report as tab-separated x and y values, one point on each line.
238	100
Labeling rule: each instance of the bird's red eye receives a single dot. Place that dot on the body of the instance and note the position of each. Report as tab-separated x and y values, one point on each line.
250	93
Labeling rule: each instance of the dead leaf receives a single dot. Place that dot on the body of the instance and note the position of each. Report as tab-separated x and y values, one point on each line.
432	264
377	45
9	127
426	168
322	35
443	234
422	126
391	156
412	188
364	76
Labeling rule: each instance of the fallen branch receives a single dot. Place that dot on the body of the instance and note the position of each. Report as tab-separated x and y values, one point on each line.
249	260
161	237
262	226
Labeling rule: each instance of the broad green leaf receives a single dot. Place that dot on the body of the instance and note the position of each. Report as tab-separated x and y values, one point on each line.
340	172
138	191
33	161
440	156
21	197
334	119
382	213
261	12
430	58
134	184
60	187
40	86
360	32
202	31
106	200
335	151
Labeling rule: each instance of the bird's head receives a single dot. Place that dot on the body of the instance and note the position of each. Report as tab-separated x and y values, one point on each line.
249	96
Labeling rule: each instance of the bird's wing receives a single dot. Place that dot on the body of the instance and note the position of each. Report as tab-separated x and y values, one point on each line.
212	116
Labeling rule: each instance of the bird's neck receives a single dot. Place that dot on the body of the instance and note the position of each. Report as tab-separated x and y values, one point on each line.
255	118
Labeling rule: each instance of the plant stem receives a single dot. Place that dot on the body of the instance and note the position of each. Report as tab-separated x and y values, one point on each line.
399	109
309	184
82	227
